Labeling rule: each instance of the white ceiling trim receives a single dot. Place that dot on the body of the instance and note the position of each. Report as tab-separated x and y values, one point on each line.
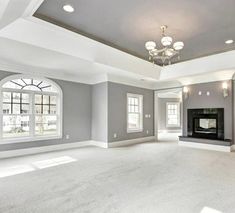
19	68
32	7
204	65
45	35
107	63
95	79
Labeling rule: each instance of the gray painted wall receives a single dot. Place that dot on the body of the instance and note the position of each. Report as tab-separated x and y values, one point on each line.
162	113
76	115
117	111
100	112
233	106
215	100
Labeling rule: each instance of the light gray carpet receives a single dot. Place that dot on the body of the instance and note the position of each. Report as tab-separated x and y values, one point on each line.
150	177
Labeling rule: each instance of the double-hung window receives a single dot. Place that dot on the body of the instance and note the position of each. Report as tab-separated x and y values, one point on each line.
134	113
173	114
30	109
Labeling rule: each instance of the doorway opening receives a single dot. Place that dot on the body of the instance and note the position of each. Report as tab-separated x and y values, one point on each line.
168	114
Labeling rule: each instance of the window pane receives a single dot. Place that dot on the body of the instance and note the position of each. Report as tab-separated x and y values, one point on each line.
45	99
46	109
19	82
132	101
44	84
38	99
136	101
25	109
46	125
132	109
173	114
15	126
134	116
133	121
6	97
6	109
36	82
31	87
16	97
53	110
11	85
25	98
53	99
136	109
38	109
16	109
27	81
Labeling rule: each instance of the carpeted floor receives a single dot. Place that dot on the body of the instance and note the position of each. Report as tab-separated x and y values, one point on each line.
151	177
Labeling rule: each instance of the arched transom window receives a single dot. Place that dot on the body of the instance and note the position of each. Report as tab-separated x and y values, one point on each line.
30	109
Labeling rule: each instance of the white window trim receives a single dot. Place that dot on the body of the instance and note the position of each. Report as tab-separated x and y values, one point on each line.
140	97
179	116
31	138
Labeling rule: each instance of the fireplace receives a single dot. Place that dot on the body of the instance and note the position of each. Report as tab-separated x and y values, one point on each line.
206	123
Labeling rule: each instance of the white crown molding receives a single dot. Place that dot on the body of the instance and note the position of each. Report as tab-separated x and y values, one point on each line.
47	73
131	81
95	79
32	7
205	65
3	7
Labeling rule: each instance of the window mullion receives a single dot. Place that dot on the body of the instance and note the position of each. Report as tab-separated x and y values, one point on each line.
32	115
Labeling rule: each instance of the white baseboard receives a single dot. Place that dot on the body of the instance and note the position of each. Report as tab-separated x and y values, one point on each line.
37	150
130	142
57	147
170	131
233	148
206	146
101	144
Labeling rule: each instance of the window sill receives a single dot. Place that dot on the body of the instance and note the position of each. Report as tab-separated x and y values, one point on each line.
135	131
173	126
27	139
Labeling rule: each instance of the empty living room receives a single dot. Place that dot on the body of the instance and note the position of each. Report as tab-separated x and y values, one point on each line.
121	106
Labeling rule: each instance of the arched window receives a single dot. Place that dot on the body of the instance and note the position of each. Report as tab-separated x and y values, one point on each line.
30	109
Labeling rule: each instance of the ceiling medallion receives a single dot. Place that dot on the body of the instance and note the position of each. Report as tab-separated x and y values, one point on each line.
165	54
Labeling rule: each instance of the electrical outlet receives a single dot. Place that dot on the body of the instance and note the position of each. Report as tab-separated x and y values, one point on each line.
67	137
115	135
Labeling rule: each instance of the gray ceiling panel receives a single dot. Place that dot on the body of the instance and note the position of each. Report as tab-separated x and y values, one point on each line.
203	25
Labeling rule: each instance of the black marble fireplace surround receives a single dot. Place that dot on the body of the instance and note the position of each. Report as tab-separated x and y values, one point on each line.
206	123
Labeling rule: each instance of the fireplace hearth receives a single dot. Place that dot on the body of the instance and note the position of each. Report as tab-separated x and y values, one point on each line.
206	123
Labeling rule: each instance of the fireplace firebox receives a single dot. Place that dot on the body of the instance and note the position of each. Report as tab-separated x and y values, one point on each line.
206	123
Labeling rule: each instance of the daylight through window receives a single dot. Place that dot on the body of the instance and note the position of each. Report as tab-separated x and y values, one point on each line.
30	108
173	114
134	113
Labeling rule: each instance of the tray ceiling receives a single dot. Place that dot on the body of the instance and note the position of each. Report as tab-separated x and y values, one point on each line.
202	25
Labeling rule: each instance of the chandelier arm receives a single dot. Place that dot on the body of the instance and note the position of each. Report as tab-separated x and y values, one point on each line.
165	54
157	51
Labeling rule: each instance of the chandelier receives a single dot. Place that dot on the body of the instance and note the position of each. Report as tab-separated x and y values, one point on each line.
167	53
